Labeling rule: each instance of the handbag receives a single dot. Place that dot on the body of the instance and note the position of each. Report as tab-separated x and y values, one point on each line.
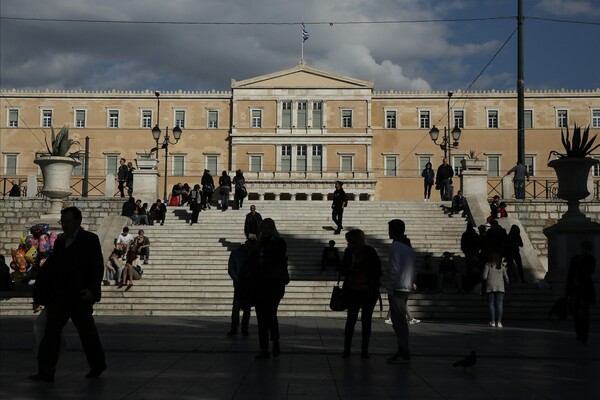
339	300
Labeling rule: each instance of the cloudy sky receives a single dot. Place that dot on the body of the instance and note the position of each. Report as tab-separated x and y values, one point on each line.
203	44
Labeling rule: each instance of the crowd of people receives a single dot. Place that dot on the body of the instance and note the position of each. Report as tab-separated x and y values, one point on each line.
123	264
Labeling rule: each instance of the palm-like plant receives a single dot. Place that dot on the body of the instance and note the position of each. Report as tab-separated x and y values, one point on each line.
61	143
580	146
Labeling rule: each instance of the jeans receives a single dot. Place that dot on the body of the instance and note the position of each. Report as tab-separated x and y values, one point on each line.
445	189
495	300
225	197
337	215
398	312
359	300
427	190
266	316
519	189
235	315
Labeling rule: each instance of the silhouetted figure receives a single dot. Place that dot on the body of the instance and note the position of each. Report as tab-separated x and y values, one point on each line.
224	189
15	191
449	271
195	199
340	201
240	190
514	242
580	291
68	285
268	264
495	239
361	268
521	173
330	257
122	176
458	203
252	223
6	283
443	180
468	362
237	268
428	179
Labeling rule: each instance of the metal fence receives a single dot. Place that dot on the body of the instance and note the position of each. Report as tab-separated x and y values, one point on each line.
536	188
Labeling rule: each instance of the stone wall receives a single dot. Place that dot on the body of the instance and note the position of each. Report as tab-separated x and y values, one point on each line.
16	212
535	215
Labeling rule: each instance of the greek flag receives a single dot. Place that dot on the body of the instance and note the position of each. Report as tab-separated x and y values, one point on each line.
304	33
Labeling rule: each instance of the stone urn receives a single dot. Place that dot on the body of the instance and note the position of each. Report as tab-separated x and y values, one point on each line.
572	174
146	163
56	174
472	164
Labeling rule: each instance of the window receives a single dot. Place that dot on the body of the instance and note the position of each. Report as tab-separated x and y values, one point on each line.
423	160
493	165
346	162
424	119
146	118
346	118
317	114
301	116
596	167
459	118
286	157
112	164
213	119
10	164
529	163
317	158
492	116
212	164
13	118
113	118
255	163
390	166
286	114
562	118
390	119
79	118
457	165
596	118
528	119
79	169
301	157
256	118
178	165
180	118
46	118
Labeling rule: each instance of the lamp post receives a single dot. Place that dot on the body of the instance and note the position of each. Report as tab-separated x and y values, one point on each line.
446	144
166	141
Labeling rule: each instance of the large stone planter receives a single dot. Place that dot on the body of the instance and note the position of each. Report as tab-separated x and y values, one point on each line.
56	173
572	174
472	164
146	163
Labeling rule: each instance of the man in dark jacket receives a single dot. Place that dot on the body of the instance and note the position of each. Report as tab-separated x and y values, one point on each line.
340	201
443	179
158	212
253	220
68	285
122	174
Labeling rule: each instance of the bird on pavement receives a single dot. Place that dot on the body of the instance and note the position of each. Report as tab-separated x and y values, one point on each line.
468	362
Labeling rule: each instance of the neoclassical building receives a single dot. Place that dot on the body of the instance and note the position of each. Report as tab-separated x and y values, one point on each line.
294	132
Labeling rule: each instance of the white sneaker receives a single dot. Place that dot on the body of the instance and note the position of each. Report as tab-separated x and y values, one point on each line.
414	321
492	324
388	321
499	325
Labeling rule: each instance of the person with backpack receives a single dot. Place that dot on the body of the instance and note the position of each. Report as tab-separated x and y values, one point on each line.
224	190
208	188
241	192
361	268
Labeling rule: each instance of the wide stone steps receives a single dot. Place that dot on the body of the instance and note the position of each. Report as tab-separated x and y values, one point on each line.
187	274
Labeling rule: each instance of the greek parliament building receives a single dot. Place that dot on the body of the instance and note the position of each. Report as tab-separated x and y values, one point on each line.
294	133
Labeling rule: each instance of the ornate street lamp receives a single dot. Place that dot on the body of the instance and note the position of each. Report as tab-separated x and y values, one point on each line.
166	141
447	144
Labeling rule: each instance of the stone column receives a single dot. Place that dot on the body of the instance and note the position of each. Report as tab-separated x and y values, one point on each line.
145	185
109	186
508	188
277	196
32	188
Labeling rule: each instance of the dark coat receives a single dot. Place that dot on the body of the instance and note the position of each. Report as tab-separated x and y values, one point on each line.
70	270
340	200
579	278
362	270
444	172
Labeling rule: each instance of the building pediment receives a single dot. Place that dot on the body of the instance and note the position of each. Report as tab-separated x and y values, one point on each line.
301	76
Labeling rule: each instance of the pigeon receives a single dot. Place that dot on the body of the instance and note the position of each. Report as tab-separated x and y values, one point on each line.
468	362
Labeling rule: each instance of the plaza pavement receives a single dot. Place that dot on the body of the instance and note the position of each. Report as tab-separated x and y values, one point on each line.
191	358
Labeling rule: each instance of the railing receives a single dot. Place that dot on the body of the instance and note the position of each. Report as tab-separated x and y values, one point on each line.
96	186
536	188
7	183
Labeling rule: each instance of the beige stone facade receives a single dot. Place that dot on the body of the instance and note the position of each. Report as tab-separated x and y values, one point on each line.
296	131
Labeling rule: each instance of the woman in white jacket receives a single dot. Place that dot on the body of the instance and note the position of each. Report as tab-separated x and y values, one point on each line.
495	277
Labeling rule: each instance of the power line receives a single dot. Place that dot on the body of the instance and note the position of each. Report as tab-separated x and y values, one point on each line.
330	23
563	21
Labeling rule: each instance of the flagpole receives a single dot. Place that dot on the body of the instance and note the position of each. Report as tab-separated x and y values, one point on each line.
302	43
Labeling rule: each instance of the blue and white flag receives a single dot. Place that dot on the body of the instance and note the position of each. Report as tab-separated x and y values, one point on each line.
304	33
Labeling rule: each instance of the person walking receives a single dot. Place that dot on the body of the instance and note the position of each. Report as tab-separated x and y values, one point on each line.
340	201
443	180
495	277
208	188
122	173
237	268
129	180
224	190
521	173
361	268
68	286
399	283
580	291
195	203
268	264
239	182
252	223
428	180
514	242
